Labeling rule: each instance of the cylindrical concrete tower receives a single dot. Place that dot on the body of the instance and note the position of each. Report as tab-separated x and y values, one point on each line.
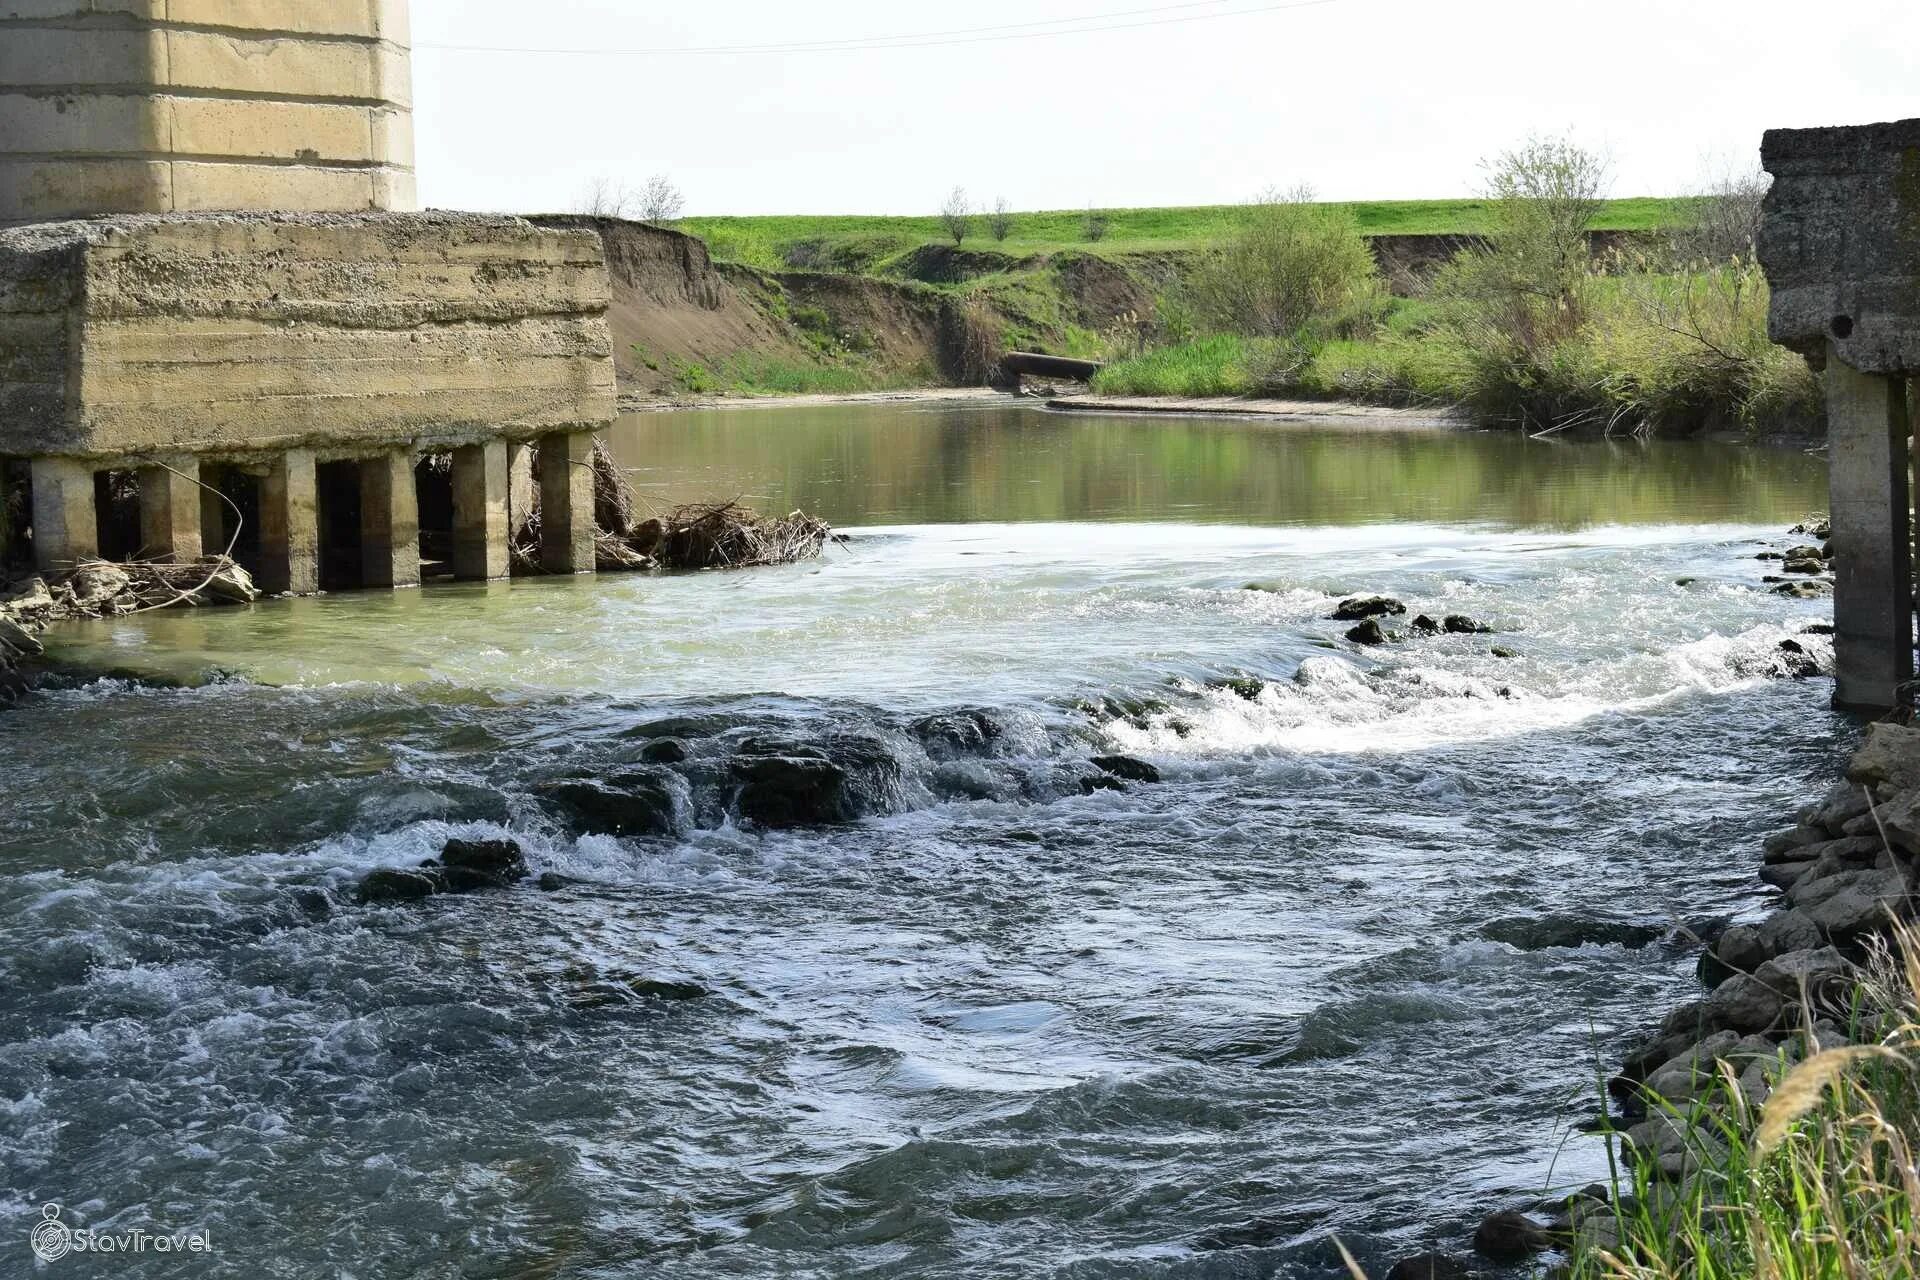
162	106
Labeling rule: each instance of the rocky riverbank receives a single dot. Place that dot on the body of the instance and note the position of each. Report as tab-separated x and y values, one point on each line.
97	589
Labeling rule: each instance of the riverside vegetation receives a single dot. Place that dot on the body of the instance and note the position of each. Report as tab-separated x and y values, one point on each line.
1541	305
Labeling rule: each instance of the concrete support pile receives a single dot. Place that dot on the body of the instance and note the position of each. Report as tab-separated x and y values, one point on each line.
1840	241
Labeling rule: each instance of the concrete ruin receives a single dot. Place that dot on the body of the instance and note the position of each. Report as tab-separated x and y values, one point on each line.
1840	242
300	373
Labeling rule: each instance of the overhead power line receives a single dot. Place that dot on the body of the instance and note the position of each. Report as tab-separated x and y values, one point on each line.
918	40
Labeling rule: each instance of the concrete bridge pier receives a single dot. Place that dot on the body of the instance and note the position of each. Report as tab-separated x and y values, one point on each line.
290	524
389	521
1869	493
171	521
1838	242
566	502
480	483
65	527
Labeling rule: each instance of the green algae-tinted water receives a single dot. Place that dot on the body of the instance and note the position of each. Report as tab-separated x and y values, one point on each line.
998	1025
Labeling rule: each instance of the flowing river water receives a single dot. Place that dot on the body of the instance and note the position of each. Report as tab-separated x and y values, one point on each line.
1352	966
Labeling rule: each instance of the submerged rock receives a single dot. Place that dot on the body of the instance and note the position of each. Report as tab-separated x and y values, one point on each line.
1509	1236
1354	608
792	791
1368	633
1460	624
1127	767
1501	651
1424	626
396	885
464	866
638	800
664	751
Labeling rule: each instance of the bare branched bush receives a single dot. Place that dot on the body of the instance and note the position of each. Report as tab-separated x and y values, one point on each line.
605	197
1723	224
659	200
1293	269
1000	221
1093	226
956	215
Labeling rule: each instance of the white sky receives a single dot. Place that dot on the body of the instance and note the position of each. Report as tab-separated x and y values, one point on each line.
1359	98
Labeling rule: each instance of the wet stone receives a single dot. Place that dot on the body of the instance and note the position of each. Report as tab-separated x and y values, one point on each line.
1355	608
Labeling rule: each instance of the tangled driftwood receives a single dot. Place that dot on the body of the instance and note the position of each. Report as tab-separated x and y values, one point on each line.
708	535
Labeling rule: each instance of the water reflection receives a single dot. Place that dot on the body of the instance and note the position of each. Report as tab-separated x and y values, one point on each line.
934	464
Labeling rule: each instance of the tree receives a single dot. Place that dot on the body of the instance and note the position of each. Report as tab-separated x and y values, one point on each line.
956	215
604	197
1292	269
1000	221
1722	225
660	200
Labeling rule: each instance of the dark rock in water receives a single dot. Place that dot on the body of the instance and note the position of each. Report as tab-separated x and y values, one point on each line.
1368	632
1741	949
660	989
640	800
1817	629
554	882
1429	1266
1424	626
1743	1003
792	791
1509	1236
1769	555
1245	686
1792	646
1537	933
396	885
490	862
1101	782
1355	608
1712	970
1804	589
664	751
957	733
1684	582
317	904
1501	651
1127	767
1459	624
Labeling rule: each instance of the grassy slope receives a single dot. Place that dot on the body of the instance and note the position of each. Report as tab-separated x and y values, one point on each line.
761	241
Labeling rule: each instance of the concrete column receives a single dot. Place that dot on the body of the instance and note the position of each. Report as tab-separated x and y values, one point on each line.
1867	469
290	525
170	511
522	494
65	527
480	511
566	502
389	521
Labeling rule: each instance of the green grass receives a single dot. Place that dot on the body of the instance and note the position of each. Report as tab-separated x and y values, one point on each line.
1213	366
859	242
753	374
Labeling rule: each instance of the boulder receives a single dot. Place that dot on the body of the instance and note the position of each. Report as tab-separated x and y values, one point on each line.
1743	1003
1424	626
1510	1236
970	732
399	885
1889	757
231	585
1785	875
1741	948
1691	1074
1460	625
28	597
1368	633
664	751
1842	804
637	800
1354	608
1842	847
1501	651
1804	590
1781	843
1900	819
1845	906
93	585
1126	767
16	639
1804	564
1786	931
482	864
792	791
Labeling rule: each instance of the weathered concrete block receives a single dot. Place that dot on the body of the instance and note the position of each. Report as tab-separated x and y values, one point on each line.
1840	242
480	511
389	521
142	106
170	499
290	524
253	333
65	529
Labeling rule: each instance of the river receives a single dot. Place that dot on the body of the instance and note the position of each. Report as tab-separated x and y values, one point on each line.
1353	965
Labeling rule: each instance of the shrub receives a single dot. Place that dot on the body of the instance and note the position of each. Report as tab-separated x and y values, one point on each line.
1094	225
1294	269
1000	221
956	215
